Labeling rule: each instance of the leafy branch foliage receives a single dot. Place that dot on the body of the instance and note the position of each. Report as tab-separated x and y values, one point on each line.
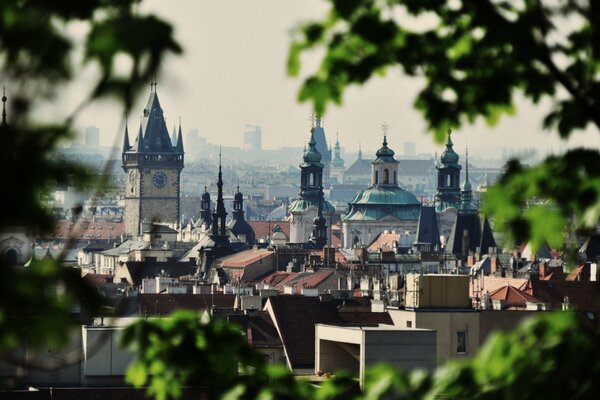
474	56
37	54
537	360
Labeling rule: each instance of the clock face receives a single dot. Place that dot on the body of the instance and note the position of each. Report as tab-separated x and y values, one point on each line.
159	179
131	177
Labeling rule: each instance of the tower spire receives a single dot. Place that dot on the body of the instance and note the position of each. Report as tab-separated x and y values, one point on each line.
218	227
126	144
179	145
359	151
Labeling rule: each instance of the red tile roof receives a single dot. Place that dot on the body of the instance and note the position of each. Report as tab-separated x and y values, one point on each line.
83	230
298	280
262	229
513	297
493	283
384	240
244	258
583	295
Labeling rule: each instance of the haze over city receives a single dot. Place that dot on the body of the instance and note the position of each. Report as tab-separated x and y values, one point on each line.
232	73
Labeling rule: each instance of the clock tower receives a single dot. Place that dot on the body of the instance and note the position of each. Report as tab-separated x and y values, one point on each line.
152	168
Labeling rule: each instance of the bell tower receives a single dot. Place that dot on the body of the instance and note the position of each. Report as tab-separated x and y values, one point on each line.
152	168
448	188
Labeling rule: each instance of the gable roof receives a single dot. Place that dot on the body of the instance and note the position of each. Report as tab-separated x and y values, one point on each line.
264	229
583	295
385	240
296	316
258	327
359	167
87	230
513	297
480	234
427	229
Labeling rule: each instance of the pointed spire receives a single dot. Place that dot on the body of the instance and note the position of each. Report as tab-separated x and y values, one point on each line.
218	227
318	121
174	136
359	151
179	145
139	145
126	145
467	185
4	123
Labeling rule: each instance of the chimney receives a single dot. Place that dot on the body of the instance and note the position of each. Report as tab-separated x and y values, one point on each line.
493	264
465	245
542	269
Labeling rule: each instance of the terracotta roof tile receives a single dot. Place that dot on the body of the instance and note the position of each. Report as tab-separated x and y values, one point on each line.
97	230
263	229
513	297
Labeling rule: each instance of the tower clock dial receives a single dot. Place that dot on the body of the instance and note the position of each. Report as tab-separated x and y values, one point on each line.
159	179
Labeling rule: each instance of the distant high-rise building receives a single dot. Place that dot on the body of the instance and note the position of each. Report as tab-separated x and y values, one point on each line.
410	149
253	137
92	136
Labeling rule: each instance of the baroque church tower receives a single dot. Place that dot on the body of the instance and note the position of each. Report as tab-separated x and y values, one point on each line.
448	187
152	168
307	207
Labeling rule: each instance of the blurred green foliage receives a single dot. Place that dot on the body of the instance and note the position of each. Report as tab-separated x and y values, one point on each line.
40	303
474	57
541	359
474	60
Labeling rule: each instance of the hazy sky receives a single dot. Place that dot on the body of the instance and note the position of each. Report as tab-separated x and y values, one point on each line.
232	73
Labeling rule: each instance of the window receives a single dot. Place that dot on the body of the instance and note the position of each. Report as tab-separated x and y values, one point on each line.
461	342
386	176
409	324
448	183
376	177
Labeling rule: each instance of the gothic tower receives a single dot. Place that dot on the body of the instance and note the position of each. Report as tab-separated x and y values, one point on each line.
238	224
304	209
152	168
320	139
448	188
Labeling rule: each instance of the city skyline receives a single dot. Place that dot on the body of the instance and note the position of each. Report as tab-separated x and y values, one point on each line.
232	73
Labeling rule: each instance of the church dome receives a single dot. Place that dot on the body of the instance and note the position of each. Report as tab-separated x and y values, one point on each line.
312	155
386	196
449	156
385	153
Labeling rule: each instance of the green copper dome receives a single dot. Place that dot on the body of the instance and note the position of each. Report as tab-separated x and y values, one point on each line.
300	205
312	155
385	195
385	153
449	156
